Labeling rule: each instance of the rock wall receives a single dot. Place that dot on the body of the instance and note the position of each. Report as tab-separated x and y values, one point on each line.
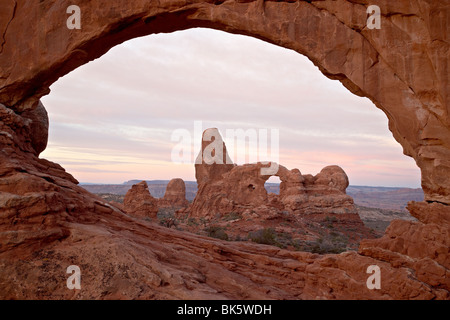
139	202
324	193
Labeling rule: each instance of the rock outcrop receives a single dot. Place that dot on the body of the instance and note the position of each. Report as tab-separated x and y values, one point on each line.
138	202
324	193
422	246
175	195
213	160
48	222
226	187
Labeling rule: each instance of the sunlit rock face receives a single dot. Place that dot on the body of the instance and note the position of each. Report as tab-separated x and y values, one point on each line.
47	222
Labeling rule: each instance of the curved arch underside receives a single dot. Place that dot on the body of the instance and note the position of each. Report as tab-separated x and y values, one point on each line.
402	68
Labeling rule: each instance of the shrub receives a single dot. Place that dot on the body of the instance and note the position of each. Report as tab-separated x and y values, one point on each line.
322	246
192	222
232	216
216	232
168	222
203	221
264	236
165	213
330	219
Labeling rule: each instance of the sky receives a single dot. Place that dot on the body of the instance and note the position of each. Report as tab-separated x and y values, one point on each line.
120	117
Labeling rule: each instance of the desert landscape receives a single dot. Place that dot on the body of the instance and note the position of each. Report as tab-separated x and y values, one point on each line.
230	233
373	217
267	213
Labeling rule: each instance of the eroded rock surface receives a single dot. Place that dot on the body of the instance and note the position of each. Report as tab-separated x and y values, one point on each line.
48	223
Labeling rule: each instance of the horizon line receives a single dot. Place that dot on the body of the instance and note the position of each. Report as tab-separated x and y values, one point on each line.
193	181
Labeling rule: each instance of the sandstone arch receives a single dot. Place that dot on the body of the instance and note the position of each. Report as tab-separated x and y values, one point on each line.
402	68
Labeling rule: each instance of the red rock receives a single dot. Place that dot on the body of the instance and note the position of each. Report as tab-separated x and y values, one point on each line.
138	202
422	246
211	164
38	127
47	222
225	188
333	179
175	195
324	193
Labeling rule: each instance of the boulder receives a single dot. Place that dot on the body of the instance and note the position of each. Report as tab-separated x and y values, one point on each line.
175	195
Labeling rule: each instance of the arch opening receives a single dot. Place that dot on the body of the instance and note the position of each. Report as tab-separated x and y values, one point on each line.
365	124
142	128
